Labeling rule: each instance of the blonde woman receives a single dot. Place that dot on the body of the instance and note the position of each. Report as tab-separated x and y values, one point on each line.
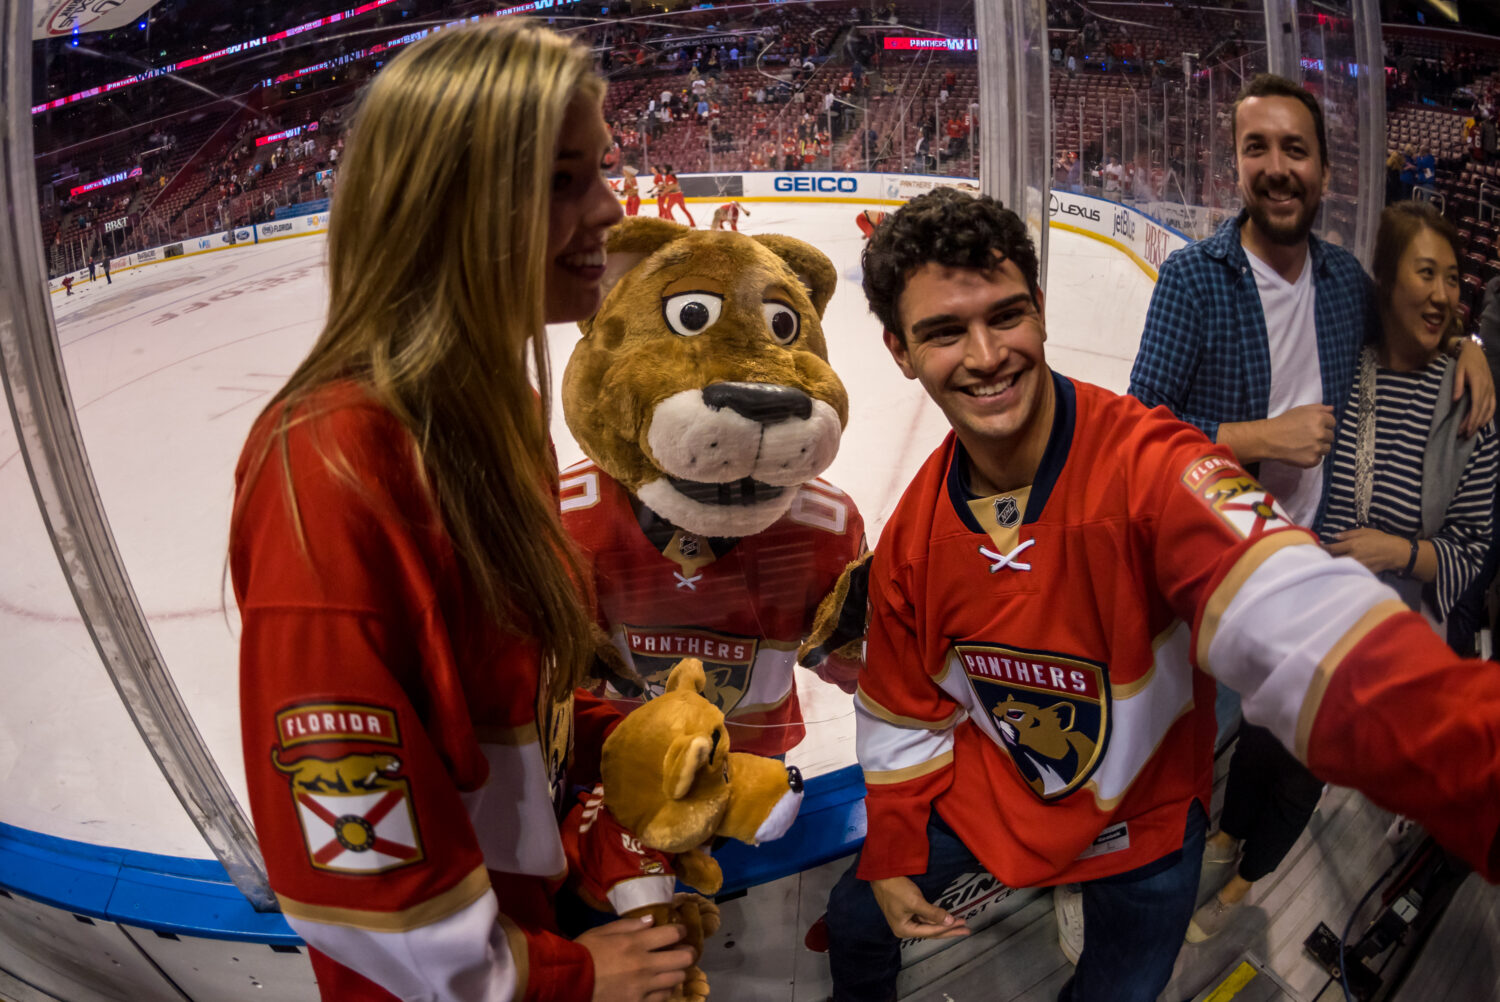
412	635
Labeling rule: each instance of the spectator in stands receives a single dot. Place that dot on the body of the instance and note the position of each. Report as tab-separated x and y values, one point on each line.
475	152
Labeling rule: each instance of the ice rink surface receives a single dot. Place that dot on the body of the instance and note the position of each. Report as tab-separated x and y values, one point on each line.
167	368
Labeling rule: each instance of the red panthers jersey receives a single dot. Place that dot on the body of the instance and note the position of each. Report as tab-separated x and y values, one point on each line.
1030	668
742	606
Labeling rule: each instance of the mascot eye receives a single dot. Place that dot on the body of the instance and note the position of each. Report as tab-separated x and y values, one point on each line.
692	312
784	322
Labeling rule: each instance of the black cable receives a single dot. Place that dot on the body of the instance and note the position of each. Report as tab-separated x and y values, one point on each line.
1348	926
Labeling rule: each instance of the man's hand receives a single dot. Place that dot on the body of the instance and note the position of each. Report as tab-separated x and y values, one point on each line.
1378	551
910	916
1301	436
632	962
1472	374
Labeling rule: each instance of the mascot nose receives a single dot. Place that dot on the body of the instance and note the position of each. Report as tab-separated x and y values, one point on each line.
794	778
764	403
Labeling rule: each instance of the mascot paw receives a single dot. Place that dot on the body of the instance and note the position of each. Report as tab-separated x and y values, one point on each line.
834	646
694	989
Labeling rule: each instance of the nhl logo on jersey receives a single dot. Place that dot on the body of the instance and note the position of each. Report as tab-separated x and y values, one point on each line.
1007	512
353	805
1049	712
1236	497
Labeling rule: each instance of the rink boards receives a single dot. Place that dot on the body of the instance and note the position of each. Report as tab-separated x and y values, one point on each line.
167	366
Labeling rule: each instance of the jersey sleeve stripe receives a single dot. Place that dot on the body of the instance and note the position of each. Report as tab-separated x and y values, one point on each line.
520	953
1372	618
876	777
526	734
873	708
1284	622
897	753
434	909
1254	556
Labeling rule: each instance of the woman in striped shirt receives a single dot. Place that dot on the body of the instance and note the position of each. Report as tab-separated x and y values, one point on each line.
1410	497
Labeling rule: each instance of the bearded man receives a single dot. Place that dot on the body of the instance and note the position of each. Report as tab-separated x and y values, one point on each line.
1253	335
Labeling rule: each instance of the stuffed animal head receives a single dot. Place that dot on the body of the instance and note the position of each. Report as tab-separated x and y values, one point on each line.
670	777
702	385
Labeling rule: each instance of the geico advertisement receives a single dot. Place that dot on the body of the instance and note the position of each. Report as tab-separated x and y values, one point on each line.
810	185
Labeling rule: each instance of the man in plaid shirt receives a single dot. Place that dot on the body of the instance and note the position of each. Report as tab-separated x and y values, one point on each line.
1253	335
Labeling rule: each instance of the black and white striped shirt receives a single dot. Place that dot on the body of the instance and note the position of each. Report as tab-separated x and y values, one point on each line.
1404	404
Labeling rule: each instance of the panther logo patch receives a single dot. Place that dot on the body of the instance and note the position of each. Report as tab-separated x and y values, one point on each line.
1050	712
1235	496
728	660
354	805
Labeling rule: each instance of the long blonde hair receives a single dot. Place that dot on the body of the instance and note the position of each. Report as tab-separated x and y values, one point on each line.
436	261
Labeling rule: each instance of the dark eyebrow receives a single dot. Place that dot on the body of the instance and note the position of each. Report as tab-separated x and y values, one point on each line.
927	323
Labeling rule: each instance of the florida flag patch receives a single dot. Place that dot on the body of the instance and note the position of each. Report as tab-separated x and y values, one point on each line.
354	806
1236	497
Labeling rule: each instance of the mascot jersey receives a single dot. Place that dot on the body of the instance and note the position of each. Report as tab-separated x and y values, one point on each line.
401	765
1030	663
740	605
609	867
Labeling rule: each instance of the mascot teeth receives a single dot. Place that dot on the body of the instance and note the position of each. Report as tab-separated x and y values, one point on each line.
738	492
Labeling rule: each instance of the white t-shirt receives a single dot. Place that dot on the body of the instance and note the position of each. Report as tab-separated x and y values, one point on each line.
1296	377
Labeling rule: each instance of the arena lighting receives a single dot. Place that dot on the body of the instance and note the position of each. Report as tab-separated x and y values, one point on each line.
938	44
245	46
396	43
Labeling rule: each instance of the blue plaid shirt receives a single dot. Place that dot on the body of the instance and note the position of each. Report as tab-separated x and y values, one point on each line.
1204	352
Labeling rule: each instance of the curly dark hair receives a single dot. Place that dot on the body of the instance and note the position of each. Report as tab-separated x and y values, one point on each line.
947	227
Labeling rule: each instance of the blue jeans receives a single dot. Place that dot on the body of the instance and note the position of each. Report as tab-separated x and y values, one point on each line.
1134	922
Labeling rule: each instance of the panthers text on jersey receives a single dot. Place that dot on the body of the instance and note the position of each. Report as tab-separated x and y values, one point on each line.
742	606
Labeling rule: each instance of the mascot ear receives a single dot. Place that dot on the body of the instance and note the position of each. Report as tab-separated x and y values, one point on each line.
687	674
811	265
684	758
1061	711
631	242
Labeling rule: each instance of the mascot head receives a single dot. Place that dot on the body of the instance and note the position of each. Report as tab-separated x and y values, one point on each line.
702	385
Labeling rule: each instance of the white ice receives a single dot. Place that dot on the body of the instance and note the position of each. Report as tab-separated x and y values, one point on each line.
170	364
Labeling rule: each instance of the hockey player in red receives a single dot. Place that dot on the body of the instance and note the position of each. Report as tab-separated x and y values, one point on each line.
729	213
1050	604
867	220
412	635
673	191
632	190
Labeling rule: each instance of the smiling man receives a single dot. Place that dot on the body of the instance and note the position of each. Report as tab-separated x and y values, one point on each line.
1253	335
1039	601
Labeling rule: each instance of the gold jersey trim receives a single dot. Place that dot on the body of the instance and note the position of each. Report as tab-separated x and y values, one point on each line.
877	710
883	778
1372	618
1250	561
452	901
